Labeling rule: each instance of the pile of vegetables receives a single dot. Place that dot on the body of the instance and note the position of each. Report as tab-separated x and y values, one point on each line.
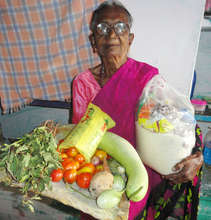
103	176
116	168
76	169
88	135
36	160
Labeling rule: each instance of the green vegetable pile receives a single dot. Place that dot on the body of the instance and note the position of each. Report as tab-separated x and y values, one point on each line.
29	161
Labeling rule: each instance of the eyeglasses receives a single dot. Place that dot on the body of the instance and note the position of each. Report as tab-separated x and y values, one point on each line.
104	29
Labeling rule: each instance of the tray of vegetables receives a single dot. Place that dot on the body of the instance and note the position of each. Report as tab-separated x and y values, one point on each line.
101	184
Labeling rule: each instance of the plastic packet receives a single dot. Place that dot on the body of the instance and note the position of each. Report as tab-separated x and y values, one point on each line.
165	126
87	134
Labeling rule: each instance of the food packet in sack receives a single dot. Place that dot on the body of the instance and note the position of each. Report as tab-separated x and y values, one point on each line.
87	134
165	126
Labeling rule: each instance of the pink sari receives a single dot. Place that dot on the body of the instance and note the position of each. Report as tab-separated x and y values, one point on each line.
118	98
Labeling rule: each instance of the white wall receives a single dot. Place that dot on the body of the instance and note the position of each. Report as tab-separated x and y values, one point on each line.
167	36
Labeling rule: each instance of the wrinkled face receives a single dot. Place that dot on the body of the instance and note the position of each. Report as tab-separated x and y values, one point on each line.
114	38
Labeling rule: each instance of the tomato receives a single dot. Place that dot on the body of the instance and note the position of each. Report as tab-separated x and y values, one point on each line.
80	158
65	161
64	155
83	180
72	165
84	170
56	175
101	154
72	151
70	176
90	166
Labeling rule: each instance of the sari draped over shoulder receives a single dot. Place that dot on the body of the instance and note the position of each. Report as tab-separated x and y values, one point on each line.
84	90
118	98
120	95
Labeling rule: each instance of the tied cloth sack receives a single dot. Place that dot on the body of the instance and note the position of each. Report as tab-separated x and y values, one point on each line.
165	126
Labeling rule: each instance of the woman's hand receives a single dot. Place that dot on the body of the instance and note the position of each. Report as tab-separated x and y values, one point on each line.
188	169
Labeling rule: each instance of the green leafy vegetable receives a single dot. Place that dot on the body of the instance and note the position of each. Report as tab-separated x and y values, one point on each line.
30	160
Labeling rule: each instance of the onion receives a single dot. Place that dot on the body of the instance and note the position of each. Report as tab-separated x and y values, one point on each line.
95	160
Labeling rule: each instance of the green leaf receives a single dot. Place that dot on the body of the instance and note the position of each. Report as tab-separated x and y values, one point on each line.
13	165
37	172
41	186
24	178
12	154
2	163
35	160
35	186
47	157
22	149
26	187
26	159
46	179
5	147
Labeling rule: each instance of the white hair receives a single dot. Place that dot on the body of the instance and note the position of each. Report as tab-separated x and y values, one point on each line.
105	4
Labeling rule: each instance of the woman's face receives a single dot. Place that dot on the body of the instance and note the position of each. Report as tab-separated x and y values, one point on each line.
112	44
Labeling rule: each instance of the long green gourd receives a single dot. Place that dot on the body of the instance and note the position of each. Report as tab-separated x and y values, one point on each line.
121	150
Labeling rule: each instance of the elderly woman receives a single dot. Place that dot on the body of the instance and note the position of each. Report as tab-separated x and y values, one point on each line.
119	81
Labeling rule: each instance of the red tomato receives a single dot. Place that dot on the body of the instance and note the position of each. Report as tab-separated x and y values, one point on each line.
70	176
90	166
80	158
72	151
85	170
72	165
56	175
65	161
83	180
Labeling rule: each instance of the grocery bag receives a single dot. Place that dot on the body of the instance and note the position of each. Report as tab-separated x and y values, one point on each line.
165	126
